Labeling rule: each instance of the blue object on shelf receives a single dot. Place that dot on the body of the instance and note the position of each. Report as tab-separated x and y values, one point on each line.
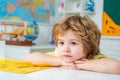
52	41
90	5
32	31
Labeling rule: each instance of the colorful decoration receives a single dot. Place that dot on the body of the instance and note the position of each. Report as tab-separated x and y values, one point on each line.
109	26
111	18
27	10
90	5
32	31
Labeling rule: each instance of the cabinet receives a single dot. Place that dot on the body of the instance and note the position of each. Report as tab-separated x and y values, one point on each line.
79	7
2	49
21	52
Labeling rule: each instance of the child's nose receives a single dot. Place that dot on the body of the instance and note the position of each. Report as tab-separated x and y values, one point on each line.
66	48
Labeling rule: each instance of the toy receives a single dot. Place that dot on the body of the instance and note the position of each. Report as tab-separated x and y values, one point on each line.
17	32
90	5
32	31
24	34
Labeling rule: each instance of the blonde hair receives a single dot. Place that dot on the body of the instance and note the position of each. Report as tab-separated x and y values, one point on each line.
84	28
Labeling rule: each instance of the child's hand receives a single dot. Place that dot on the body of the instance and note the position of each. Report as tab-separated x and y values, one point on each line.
81	61
66	65
72	65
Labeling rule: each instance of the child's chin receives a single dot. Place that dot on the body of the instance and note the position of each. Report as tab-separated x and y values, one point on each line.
68	61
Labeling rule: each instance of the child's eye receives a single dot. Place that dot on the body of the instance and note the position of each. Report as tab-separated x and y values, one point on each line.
74	43
61	43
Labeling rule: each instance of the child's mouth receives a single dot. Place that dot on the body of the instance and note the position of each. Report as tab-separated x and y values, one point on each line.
67	56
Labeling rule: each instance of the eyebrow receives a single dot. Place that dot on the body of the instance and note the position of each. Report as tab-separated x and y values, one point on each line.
59	40
70	40
75	40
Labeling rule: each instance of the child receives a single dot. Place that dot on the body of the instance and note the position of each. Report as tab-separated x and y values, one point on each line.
77	39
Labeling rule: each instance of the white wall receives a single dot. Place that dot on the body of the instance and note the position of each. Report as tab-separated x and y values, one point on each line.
44	35
111	47
97	18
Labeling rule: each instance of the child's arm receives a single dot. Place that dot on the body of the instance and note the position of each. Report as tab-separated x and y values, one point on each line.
39	58
42	59
104	65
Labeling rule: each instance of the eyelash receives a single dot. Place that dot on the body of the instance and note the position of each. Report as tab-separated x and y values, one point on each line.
73	43
61	43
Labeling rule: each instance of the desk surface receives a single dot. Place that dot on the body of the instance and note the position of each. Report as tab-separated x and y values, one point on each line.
59	74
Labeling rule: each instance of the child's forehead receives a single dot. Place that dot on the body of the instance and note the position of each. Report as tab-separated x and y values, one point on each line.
68	33
61	33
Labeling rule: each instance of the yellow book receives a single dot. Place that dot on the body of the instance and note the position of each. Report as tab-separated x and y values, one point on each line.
19	66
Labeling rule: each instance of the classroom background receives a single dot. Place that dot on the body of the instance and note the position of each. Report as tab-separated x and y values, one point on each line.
47	12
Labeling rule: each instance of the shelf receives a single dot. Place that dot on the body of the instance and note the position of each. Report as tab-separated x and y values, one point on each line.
33	47
111	37
71	12
78	7
87	12
72	5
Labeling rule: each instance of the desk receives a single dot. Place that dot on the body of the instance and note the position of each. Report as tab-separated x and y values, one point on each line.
59	74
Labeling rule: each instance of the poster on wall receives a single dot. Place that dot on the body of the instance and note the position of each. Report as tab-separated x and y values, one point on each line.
111	18
27	10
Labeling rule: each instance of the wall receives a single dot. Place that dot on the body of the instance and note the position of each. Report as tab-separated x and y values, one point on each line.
97	18
110	47
45	34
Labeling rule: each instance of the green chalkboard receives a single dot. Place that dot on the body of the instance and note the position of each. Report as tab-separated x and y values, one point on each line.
112	8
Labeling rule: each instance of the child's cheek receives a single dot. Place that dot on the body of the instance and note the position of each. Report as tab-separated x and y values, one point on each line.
59	49
76	51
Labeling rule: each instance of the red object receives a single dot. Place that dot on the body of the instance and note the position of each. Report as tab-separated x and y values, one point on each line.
62	4
18	43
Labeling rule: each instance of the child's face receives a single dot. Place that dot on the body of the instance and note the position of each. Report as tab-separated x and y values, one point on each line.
70	48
